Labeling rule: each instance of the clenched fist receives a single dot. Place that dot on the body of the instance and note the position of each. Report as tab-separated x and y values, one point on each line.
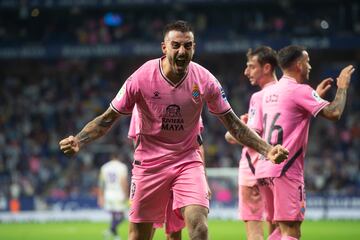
277	154
69	146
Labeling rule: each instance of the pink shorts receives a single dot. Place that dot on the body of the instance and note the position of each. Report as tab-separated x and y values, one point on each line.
284	198
150	192
246	177
251	204
173	222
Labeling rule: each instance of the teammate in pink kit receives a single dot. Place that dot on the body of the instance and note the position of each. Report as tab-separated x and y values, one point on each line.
260	70
169	93
287	108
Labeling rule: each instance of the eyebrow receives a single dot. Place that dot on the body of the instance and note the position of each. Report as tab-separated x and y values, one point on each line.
175	42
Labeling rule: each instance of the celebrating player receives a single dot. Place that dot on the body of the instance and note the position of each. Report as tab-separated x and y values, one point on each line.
287	108
260	70
169	93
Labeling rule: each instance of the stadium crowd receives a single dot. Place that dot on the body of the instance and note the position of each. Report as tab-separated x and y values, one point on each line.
211	21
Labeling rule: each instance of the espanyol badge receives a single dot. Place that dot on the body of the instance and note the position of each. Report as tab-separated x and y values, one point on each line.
196	93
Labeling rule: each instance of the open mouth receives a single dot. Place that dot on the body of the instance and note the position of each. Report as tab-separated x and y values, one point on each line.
180	62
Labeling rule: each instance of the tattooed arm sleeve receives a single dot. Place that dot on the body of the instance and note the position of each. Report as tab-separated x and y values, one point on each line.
97	127
334	110
243	134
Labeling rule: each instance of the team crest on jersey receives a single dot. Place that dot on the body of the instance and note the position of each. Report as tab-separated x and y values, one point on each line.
196	93
121	92
172	119
316	96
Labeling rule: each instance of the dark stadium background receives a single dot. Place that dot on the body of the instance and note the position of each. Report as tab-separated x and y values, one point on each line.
62	62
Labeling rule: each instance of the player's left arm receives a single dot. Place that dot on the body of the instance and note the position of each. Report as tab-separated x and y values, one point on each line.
245	136
228	137
334	110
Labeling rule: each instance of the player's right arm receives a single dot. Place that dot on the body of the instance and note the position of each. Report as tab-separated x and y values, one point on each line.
93	130
334	110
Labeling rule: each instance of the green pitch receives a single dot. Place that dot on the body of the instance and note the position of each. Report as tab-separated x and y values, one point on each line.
222	230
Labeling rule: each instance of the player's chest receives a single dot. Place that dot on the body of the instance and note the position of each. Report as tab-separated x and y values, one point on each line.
163	93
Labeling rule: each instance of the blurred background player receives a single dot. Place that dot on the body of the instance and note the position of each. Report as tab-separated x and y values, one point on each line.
287	108
260	70
113	192
173	222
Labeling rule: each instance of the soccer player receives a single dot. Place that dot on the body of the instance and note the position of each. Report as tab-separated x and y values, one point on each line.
260	70
113	192
173	223
169	93
287	108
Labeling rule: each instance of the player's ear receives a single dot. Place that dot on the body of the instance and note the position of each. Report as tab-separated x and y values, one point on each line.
298	66
267	68
163	48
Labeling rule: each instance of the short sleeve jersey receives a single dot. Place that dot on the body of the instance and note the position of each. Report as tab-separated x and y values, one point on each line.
287	108
249	156
168	114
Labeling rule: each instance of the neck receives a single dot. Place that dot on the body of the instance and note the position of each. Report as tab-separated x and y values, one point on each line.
293	75
169	74
268	80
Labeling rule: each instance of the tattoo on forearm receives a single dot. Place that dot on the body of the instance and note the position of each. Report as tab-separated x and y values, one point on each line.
243	134
97	127
336	107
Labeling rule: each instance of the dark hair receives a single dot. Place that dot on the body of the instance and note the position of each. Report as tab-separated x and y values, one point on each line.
179	25
287	56
265	55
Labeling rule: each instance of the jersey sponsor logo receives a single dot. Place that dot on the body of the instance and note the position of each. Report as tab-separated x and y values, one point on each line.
316	96
172	119
223	95
121	92
156	95
196	93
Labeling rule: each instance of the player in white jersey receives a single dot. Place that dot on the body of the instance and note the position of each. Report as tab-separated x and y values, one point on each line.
113	192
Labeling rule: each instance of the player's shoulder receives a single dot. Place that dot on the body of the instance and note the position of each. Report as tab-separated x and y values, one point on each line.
257	95
199	69
146	69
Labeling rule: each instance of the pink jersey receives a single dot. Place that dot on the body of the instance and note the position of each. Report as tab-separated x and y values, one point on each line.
134	126
249	157
287	108
168	114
